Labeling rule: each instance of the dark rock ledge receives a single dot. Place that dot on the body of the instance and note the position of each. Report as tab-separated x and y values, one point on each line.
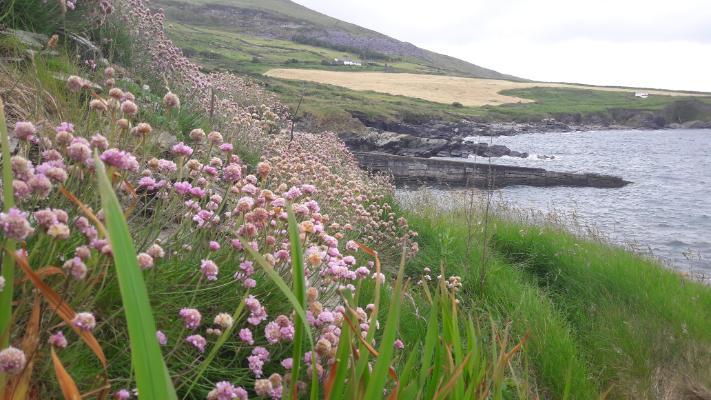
456	173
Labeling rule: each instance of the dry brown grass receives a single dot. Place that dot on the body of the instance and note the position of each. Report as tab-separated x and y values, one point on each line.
436	88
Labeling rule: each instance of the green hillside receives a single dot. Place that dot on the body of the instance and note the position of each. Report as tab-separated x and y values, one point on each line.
283	20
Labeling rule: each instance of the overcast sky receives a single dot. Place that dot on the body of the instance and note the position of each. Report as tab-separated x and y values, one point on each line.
645	43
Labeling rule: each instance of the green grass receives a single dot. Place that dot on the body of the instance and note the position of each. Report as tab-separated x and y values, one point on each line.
553	101
218	48
599	318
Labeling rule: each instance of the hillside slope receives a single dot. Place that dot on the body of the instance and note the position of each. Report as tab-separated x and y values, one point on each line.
286	20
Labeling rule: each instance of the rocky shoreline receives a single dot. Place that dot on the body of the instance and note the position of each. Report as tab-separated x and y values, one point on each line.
438	138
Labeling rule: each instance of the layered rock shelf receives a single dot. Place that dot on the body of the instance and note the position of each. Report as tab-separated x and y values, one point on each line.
460	173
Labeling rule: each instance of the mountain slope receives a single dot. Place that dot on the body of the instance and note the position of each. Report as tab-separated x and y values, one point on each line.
286	20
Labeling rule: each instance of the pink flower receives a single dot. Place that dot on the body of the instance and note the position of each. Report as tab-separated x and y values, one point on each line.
156	251
182	187
79	152
245	335
145	261
287	363
226	391
40	185
14	224
12	361
171	100
209	269
257	359
120	159
399	344
197	135
147	182
58	340
129	108
64	127
226	147
24	130
181	149
214	246
191	317
162	339
122	394
76	267
75	83
84	321
197	341
166	166
214	137
99	142
232	173
257	312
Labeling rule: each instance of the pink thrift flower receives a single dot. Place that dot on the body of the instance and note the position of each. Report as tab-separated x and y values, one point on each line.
84	321
24	130
183	150
287	363
197	341
76	267
226	391
191	317
14	224
99	142
12	361
171	100
58	340
245	335
232	173
214	246
209	269
145	261
162	339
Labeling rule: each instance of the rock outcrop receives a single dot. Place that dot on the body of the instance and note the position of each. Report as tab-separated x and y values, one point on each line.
405	144
456	173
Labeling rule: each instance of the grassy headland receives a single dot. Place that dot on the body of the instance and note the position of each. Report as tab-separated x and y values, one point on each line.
599	319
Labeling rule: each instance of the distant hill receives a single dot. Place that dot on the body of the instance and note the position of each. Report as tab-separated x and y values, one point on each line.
286	20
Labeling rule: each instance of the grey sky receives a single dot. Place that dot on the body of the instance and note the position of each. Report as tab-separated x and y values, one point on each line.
647	43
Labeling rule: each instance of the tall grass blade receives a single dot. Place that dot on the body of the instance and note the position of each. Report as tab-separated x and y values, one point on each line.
8	264
66	383
297	270
454	380
335	386
152	376
382	365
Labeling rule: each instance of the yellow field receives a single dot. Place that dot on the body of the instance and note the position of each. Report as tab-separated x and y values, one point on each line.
436	88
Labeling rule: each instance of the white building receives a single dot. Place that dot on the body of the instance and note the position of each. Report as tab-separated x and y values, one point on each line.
642	95
350	63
